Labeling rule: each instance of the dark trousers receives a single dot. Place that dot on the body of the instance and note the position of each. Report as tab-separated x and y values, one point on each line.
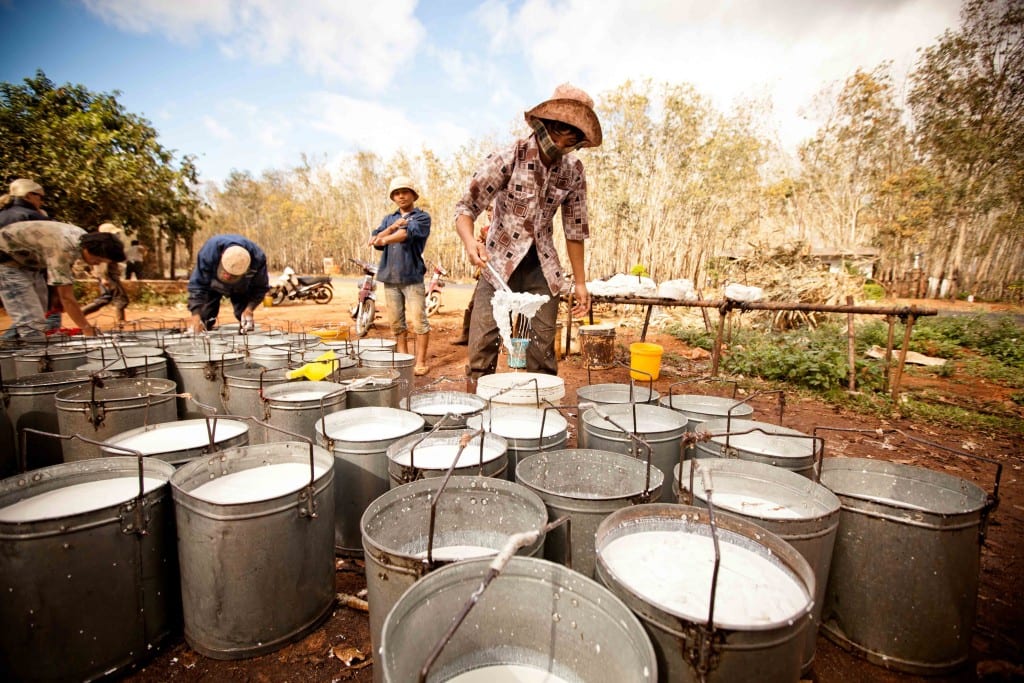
484	340
210	308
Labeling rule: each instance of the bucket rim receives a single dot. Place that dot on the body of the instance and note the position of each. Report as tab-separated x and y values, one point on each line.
587	456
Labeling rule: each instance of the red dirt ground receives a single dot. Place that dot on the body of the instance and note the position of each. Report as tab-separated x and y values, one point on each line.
999	635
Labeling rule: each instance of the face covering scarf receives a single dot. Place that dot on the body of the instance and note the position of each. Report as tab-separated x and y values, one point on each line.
547	145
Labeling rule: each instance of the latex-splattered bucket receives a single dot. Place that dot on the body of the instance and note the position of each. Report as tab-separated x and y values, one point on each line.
588	486
31	406
473	517
451	407
597	346
297	406
700	409
796	509
421	456
256	546
611	428
526	430
761	442
608	394
89	567
537	621
659	560
371	387
182	441
243	395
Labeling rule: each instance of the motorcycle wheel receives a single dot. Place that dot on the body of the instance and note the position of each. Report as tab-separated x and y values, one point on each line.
433	303
278	295
323	294
364	317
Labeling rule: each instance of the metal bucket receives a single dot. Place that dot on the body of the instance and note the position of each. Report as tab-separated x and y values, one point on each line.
699	409
31	406
142	366
370	387
403	362
587	485
273	357
795	509
243	391
396	532
527	389
111	353
658	559
255	543
606	394
453	407
762	442
535	615
660	427
49	359
421	456
597	346
100	412
296	406
182	441
90	584
904	580
359	439
202	376
527	431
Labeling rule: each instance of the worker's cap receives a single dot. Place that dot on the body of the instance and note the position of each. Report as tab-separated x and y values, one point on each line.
235	260
23	187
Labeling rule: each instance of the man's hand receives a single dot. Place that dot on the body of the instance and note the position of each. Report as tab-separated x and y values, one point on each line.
195	325
247	322
580	300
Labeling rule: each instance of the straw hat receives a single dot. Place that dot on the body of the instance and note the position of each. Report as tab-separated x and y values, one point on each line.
235	260
570	105
402	182
23	186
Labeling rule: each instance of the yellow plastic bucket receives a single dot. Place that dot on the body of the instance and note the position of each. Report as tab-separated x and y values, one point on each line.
644	360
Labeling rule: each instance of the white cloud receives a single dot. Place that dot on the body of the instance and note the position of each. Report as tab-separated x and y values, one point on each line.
216	129
358	43
382	129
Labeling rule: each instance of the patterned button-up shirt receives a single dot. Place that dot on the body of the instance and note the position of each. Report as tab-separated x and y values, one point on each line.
44	245
526	195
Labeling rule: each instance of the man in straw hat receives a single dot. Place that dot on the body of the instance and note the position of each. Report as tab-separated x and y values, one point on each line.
401	238
231	266
34	254
528	181
24	202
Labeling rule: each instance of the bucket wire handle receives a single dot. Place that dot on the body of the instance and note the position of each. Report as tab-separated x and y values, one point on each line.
703	659
323	408
138	526
992	501
431	524
638	441
514	543
817	442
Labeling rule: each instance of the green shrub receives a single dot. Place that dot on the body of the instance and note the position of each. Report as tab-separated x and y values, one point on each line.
874	291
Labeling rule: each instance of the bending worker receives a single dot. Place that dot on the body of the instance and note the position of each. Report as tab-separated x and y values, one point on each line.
528	181
231	266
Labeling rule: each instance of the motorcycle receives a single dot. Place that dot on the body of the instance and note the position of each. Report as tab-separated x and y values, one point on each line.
292	287
434	287
365	310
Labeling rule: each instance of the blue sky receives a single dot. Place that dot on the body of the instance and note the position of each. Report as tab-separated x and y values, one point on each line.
253	84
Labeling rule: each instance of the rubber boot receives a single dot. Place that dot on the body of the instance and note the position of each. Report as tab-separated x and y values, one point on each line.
470	385
422	341
401	343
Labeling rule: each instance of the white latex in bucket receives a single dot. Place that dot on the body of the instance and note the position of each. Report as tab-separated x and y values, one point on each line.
521	388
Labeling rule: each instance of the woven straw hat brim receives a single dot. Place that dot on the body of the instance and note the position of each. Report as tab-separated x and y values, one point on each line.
574	113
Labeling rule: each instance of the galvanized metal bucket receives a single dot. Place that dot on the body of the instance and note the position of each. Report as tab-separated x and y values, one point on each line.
659	560
90	569
525	389
606	394
359	439
699	409
182	441
202	376
56	358
107	354
904	580
535	615
586	485
371	387
613	428
403	362
296	406
472	516
762	442
243	392
527	430
421	456
795	509
255	543
450	408
100	412
31	406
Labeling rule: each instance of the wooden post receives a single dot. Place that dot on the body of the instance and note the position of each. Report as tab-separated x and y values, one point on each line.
851	347
891	319
716	353
903	358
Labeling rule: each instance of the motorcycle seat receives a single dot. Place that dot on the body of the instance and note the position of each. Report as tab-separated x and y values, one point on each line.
306	280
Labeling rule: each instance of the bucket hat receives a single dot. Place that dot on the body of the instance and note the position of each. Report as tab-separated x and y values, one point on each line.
570	105
402	182
23	186
235	260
